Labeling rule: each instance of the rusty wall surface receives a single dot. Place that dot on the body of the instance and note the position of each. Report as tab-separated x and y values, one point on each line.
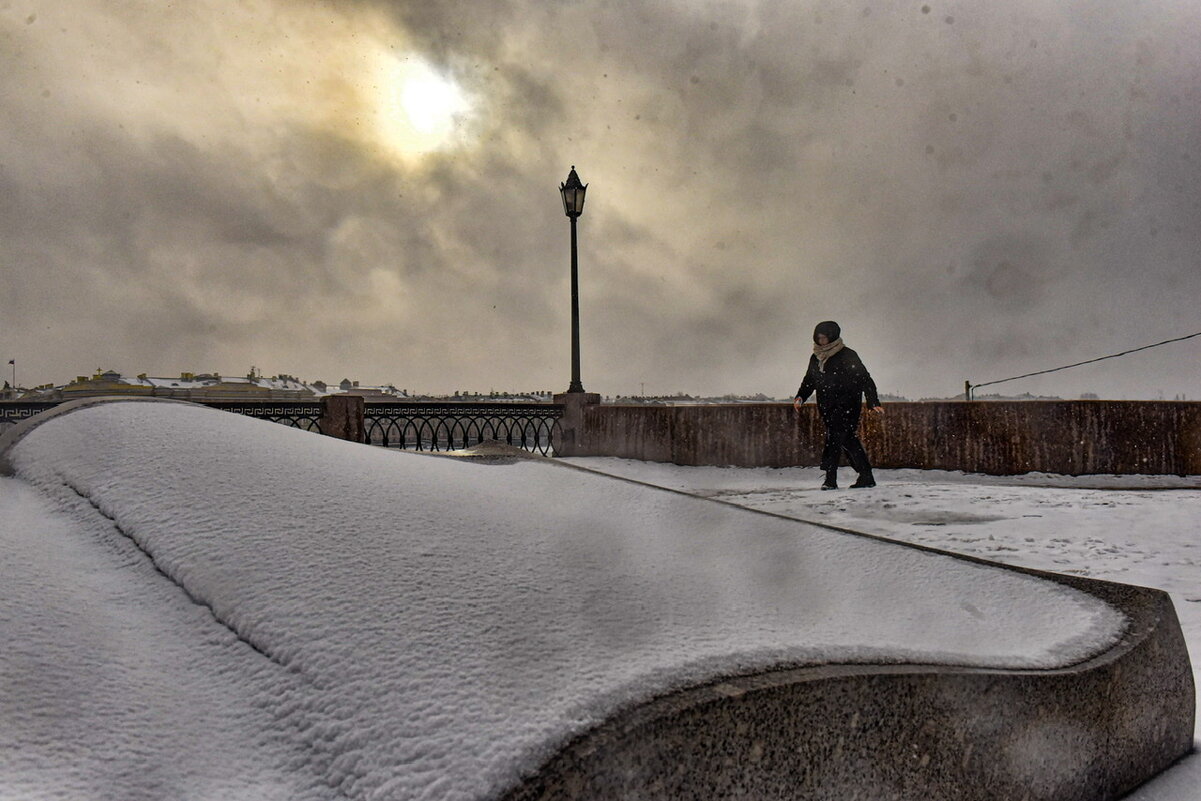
997	437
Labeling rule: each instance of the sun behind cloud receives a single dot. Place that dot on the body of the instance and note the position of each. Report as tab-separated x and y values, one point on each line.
418	110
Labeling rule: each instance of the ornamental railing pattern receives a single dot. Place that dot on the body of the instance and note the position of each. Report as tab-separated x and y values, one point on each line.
411	426
449	426
305	415
13	412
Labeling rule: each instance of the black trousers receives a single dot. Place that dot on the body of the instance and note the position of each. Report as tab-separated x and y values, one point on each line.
842	436
839	442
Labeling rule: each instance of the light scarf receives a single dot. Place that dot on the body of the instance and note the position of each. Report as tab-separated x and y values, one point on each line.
824	352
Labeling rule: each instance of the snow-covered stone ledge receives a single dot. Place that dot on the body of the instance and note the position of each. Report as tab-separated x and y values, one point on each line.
1089	732
414	627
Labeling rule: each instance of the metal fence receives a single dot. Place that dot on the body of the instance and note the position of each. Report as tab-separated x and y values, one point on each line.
411	426
13	412
448	426
305	415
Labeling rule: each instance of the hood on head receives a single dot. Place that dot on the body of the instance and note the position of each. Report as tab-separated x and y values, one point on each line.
829	328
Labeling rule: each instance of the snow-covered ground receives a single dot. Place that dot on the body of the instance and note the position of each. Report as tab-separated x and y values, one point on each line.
1142	530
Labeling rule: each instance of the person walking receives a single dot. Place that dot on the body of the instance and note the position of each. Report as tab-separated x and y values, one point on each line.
838	376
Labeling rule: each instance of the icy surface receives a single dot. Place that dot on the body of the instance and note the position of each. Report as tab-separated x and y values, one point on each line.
1133	529
394	625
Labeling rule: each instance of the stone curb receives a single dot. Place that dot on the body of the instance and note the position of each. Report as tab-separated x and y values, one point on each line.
1090	732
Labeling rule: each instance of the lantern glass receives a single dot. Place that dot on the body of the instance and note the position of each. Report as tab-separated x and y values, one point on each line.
573	194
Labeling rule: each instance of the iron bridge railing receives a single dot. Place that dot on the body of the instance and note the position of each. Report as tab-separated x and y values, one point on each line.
449	426
305	415
411	426
13	412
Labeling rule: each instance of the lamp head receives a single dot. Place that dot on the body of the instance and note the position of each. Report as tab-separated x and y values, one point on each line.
573	194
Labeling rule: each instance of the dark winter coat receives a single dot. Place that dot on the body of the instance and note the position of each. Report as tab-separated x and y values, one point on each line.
840	388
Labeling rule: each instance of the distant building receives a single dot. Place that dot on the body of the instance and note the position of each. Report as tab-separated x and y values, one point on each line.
188	386
200	387
376	394
1025	396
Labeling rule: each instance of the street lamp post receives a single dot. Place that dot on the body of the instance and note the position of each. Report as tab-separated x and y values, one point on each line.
573	204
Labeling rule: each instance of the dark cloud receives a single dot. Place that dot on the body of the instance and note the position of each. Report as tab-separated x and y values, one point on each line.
204	189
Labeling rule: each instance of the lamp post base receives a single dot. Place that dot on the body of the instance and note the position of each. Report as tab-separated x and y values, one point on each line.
575	386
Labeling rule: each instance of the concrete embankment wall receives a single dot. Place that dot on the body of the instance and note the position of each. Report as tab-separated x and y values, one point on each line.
996	437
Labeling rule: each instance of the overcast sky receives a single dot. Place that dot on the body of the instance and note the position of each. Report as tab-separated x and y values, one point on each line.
370	190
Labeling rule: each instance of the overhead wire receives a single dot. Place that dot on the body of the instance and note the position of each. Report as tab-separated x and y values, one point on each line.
1087	361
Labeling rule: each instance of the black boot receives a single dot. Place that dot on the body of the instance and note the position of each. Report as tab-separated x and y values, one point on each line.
865	480
831	482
